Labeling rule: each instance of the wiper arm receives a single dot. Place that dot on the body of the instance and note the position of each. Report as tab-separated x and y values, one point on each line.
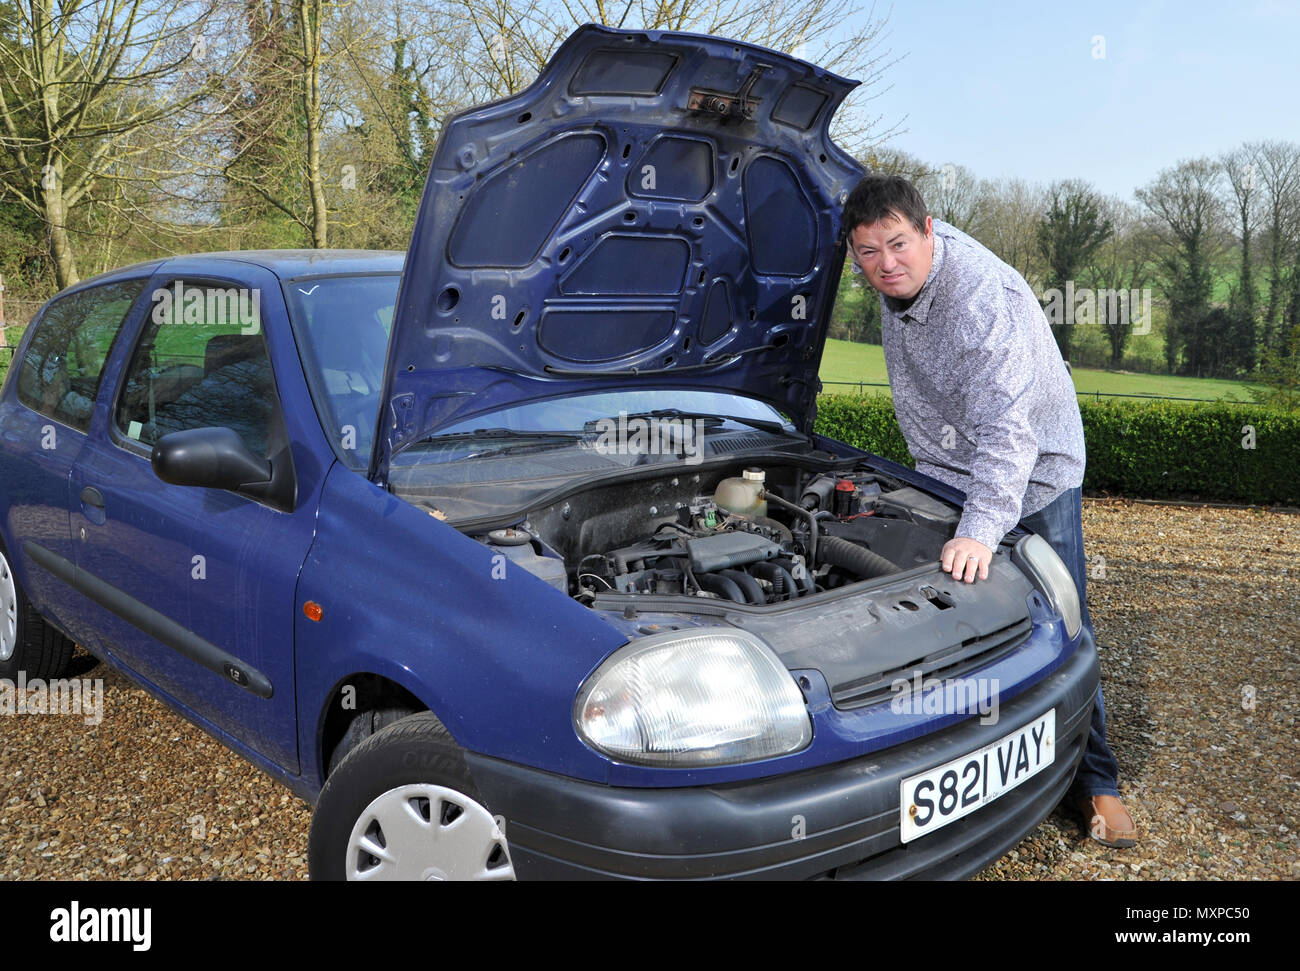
774	427
500	433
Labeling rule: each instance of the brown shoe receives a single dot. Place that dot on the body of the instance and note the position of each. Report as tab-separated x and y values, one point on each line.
1108	821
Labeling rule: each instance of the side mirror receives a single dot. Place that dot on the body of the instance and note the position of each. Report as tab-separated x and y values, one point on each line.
214	458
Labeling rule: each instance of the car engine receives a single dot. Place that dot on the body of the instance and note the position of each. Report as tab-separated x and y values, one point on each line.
746	540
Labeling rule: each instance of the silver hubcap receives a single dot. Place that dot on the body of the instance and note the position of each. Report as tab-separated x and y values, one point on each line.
8	611
427	832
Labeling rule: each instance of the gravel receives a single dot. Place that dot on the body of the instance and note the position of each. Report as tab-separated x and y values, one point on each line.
1198	618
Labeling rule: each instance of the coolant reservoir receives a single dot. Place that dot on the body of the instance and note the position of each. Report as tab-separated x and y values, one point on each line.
742	495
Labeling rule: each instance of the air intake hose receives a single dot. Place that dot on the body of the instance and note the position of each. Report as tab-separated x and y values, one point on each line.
854	558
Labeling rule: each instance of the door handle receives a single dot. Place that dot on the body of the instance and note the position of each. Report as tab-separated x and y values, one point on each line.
91	496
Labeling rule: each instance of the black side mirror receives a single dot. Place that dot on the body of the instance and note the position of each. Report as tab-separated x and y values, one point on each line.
214	458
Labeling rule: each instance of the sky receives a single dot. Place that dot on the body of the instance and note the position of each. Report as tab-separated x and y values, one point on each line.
1106	91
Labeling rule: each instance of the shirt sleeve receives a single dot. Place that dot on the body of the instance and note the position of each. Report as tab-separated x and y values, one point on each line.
996	380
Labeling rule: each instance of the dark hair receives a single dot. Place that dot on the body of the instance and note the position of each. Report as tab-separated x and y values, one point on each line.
879	196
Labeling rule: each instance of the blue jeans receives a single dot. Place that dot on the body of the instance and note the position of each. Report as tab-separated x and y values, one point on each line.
1061	524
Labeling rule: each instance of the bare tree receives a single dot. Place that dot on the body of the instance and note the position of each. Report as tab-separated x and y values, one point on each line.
1012	211
299	91
953	193
884	160
82	80
1278	166
1241	173
513	41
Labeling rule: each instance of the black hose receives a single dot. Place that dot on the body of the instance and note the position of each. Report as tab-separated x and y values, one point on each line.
747	584
780	578
855	558
714	583
812	524
805	582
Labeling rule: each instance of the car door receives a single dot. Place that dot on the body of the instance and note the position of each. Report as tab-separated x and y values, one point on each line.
197	585
43	426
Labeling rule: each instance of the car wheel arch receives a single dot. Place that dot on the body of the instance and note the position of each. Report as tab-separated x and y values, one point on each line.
356	707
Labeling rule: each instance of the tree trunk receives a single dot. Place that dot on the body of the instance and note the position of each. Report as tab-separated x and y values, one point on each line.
65	261
310	15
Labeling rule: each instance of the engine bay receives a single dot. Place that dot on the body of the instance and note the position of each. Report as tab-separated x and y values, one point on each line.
753	534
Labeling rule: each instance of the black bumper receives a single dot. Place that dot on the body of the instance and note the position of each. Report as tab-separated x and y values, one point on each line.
837	821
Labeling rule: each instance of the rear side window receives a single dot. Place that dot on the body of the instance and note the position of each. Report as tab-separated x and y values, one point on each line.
60	374
201	362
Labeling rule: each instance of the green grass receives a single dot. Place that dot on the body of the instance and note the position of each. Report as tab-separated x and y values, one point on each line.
848	361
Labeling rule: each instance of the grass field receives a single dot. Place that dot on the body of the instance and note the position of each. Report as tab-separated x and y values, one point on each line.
848	361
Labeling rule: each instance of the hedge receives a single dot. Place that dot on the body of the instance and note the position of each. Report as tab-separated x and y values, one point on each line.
1139	449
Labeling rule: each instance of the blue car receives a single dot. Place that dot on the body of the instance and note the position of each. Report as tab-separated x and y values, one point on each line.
516	554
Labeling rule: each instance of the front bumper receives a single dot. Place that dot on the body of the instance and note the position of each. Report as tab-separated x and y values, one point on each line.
838	820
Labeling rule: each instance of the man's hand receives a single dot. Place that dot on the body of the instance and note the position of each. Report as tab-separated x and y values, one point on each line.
963	556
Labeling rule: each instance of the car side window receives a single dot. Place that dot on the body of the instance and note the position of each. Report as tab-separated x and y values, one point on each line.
201	362
60	373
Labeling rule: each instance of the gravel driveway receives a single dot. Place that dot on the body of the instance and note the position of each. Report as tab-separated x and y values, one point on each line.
1196	610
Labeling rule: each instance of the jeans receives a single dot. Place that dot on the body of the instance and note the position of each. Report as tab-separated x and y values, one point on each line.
1060	523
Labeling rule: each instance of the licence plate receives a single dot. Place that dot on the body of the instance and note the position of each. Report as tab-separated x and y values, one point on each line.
945	794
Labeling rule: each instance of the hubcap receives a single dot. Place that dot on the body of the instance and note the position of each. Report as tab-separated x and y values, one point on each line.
8	611
426	832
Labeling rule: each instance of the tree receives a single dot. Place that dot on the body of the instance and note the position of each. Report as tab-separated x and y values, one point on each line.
1279	372
1185	203
1240	169
275	145
883	160
953	193
1123	264
513	41
1012	211
1072	229
266	128
1278	167
82	80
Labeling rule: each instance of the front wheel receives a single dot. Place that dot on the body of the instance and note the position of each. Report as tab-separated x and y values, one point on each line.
27	642
402	806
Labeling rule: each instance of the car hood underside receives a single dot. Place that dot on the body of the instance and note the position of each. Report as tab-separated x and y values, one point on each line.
657	209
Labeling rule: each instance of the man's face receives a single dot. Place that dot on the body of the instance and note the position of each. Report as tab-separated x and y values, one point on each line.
894	256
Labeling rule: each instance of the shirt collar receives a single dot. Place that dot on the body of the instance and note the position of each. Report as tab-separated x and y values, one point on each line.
919	309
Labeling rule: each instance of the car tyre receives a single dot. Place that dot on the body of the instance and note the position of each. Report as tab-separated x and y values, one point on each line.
27	642
402	806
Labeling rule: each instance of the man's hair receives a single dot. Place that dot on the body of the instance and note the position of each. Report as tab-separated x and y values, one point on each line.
880	196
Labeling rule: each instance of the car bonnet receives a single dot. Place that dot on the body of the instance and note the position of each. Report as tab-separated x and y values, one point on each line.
657	210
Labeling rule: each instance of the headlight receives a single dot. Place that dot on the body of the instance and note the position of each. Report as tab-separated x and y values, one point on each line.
1036	556
692	698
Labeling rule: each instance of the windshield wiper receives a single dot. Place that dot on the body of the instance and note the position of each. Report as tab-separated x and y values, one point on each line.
500	433
775	427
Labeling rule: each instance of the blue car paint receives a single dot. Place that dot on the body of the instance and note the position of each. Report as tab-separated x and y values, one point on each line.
493	654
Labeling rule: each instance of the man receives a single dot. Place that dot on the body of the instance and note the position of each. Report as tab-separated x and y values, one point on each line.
987	406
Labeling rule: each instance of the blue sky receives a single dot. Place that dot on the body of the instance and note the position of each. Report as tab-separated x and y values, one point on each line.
1012	88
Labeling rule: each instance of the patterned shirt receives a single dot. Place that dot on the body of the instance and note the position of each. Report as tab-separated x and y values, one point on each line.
980	390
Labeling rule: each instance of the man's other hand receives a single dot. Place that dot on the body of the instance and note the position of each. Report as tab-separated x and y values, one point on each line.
963	556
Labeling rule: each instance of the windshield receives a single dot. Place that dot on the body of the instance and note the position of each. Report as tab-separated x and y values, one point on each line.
342	325
578	413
